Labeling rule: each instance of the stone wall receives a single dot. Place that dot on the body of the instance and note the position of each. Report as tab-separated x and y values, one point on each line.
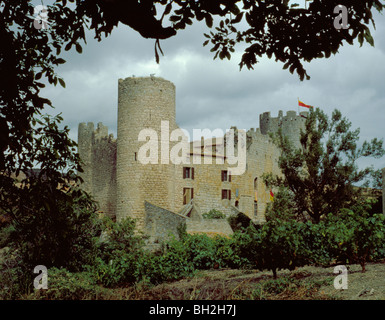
291	124
211	227
97	150
161	223
124	185
143	103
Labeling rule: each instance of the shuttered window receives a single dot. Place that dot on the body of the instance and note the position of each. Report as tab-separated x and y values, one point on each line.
226	194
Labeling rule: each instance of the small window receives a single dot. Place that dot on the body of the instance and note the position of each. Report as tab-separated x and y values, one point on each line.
136	156
188	194
226	194
188	173
226	176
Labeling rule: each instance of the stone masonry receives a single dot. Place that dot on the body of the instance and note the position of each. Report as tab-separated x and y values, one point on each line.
152	192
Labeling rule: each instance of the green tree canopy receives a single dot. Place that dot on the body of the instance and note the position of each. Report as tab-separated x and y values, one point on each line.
323	173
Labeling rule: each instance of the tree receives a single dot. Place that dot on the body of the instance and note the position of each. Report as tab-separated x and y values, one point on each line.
354	236
278	28
323	173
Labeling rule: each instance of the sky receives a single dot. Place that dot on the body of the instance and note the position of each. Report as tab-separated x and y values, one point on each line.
216	93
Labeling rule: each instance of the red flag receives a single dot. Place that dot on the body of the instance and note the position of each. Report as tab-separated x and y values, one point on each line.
271	195
301	104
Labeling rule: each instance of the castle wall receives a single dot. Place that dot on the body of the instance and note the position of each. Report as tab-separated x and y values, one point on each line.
209	226
117	175
161	223
248	191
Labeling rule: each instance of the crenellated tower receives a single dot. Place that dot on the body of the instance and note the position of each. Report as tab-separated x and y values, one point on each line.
97	150
291	124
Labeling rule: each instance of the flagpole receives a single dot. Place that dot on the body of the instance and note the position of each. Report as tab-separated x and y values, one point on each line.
298	105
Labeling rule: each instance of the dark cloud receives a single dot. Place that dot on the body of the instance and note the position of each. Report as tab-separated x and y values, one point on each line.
216	94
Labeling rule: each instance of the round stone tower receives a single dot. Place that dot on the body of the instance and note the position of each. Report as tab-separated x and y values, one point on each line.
145	106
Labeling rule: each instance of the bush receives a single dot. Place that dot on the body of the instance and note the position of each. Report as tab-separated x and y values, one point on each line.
13	278
55	232
64	285
214	214
239	221
281	246
353	236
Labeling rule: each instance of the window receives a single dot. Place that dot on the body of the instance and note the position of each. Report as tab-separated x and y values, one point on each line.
226	176
188	173
226	194
188	194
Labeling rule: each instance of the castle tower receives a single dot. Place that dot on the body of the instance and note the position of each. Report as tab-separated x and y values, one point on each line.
143	103
97	150
85	137
291	124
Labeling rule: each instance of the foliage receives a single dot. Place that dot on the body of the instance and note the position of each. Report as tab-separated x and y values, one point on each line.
14	279
118	252
26	55
353	236
65	285
52	227
290	33
322	173
281	246
239	221
283	206
214	214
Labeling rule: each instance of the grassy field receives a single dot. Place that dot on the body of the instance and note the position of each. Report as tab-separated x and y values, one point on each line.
307	283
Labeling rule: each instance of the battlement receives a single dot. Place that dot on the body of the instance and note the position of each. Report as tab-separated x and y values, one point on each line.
88	134
291	124
291	121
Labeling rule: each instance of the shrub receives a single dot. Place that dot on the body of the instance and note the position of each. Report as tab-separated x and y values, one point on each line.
214	214
58	229
13	278
175	261
239	221
354	236
281	246
275	245
64	285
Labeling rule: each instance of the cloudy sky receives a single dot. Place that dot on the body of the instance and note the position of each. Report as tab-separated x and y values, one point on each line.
215	93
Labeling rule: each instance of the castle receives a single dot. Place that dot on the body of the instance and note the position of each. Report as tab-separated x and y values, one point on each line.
136	175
